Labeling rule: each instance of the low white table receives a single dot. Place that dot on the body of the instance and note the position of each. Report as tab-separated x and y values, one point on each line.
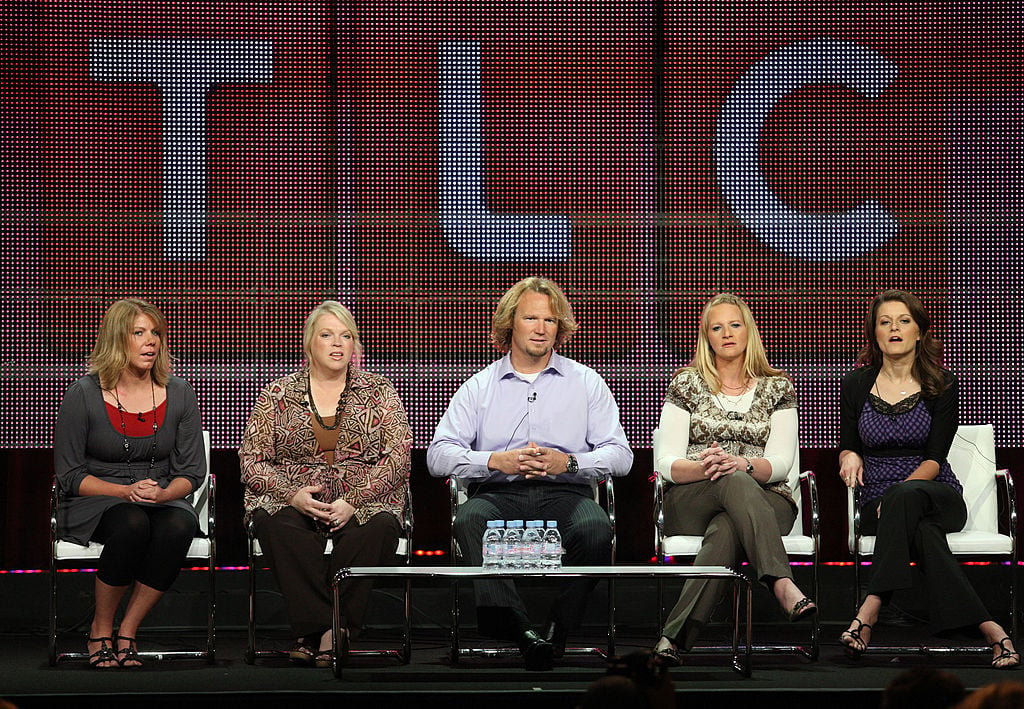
455	574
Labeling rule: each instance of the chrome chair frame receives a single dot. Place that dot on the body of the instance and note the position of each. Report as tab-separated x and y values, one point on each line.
457	494
404	549
798	544
970	444
203	549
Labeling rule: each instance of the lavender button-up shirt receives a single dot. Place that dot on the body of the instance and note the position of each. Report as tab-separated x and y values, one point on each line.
568	407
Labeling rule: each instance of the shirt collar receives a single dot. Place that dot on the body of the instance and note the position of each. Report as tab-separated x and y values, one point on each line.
557	365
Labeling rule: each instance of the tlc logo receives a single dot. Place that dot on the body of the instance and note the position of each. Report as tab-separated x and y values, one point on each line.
184	71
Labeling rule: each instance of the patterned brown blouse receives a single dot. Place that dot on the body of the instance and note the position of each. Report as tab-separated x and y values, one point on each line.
743	436
280	453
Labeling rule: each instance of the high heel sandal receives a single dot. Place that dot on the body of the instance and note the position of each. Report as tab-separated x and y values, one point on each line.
128	654
325	658
104	654
668	653
1005	654
858	645
301	653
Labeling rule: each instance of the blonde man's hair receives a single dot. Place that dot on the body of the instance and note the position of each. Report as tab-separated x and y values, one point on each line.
109	357
755	360
332	307
504	314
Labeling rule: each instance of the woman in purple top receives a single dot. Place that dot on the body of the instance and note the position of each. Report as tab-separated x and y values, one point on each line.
898	419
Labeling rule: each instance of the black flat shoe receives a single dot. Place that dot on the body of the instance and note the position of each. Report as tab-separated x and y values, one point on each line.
1005	654
537	652
104	654
557	634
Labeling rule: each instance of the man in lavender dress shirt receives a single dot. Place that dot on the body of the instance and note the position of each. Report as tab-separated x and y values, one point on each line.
529	434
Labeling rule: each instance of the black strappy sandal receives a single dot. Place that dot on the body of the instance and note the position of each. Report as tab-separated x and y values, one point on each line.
1005	654
104	654
855	649
670	655
128	654
804	608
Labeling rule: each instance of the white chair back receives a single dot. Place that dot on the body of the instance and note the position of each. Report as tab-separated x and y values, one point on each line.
200	498
973	459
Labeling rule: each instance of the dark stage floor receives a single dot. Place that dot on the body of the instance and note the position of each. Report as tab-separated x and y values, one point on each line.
430	680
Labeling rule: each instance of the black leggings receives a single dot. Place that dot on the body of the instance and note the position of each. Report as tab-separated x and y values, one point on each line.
143	543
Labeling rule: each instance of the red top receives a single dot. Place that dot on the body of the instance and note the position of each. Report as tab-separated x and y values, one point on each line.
136	424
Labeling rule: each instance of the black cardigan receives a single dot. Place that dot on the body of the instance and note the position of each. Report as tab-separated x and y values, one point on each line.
854	392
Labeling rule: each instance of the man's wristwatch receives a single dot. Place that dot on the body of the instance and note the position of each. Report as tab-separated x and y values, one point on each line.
572	466
750	467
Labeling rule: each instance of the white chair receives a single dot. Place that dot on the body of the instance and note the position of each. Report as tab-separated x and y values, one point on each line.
403	550
973	460
458	494
802	542
202	550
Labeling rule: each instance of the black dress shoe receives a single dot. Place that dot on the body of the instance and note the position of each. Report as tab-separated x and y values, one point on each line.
556	634
537	652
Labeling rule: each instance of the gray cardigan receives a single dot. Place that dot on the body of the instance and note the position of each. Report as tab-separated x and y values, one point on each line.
85	442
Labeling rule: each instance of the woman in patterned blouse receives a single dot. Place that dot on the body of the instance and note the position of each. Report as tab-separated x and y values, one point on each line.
898	419
326	456
725	446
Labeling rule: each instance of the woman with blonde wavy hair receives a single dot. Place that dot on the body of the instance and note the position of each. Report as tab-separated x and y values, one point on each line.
725	446
127	450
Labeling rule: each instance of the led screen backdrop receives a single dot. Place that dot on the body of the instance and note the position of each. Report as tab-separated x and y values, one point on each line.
237	163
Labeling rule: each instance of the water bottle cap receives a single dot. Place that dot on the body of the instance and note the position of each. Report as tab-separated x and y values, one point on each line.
515	523
552	523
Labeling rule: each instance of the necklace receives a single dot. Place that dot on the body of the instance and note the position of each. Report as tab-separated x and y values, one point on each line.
903	388
741	388
337	412
730	413
124	431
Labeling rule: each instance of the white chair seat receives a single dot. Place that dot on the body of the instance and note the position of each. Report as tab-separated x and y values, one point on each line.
401	550
961	544
795	544
69	551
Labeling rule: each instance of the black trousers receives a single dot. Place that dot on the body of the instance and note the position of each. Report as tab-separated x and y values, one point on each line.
583	524
915	517
295	553
144	543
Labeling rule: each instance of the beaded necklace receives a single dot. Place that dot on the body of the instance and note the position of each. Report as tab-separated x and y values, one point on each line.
337	412
124	430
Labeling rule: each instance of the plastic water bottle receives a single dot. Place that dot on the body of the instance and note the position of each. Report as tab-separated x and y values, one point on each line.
533	544
552	556
494	544
514	544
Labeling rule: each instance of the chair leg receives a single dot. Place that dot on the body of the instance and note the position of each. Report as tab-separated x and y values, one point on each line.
250	650
211	615
407	628
53	614
611	618
454	649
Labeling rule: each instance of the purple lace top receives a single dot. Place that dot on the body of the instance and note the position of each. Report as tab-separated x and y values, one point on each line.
896	428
